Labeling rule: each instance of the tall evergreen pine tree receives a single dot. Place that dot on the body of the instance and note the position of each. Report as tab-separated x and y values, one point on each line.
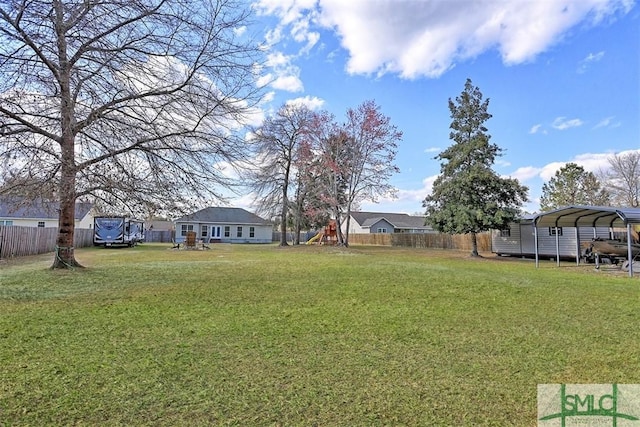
468	197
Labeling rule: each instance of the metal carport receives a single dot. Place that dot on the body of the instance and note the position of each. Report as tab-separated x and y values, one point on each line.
587	216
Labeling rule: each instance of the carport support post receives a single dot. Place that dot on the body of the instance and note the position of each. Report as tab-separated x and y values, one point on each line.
535	242
557	248
577	245
629	253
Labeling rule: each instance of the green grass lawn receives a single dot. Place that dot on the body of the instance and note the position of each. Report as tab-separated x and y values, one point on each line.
306	336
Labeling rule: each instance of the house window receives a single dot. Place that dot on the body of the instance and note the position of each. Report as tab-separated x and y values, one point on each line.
185	228
505	233
41	224
252	232
204	231
552	231
239	233
227	231
382	230
6	222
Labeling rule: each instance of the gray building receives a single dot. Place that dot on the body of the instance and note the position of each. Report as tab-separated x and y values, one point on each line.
382	222
224	225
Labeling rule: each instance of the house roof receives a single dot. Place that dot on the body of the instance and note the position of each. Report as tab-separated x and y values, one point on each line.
222	215
397	220
37	209
159	225
588	216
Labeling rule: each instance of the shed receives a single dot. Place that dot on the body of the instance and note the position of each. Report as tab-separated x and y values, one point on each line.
519	239
588	216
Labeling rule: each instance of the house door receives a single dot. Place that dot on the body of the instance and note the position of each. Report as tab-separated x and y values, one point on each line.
215	232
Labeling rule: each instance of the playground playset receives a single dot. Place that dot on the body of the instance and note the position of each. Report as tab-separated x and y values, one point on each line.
326	236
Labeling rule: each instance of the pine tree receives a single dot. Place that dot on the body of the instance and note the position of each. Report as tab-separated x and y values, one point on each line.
572	185
468	197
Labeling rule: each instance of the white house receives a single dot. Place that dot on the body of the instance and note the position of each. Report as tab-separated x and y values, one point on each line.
380	222
41	213
225	225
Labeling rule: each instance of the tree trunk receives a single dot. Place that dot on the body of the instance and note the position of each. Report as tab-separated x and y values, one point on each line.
339	235
283	220
348	224
283	228
297	229
65	252
474	245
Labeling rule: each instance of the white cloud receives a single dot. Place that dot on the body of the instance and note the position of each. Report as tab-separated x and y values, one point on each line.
535	129
278	59
265	80
608	122
594	57
432	150
406	201
420	38
273	36
283	76
311	102
525	173
289	83
268	97
591	162
562	123
549	170
591	58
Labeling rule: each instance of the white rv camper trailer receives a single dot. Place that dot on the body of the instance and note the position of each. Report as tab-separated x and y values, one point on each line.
117	231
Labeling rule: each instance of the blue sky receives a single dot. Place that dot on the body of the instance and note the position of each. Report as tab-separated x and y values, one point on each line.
562	76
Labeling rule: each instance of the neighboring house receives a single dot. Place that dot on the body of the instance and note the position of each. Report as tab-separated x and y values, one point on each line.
379	222
41	214
225	225
158	231
158	225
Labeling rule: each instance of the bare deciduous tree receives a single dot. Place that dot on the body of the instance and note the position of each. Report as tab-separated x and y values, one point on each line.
623	178
327	180
373	146
128	101
277	142
356	159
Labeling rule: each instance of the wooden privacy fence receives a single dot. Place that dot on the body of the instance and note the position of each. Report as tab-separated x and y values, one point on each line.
22	241
158	236
424	240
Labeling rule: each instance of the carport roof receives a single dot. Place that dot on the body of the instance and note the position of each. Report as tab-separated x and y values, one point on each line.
588	216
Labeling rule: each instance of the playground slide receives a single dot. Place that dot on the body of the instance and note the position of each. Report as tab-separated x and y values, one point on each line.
314	238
